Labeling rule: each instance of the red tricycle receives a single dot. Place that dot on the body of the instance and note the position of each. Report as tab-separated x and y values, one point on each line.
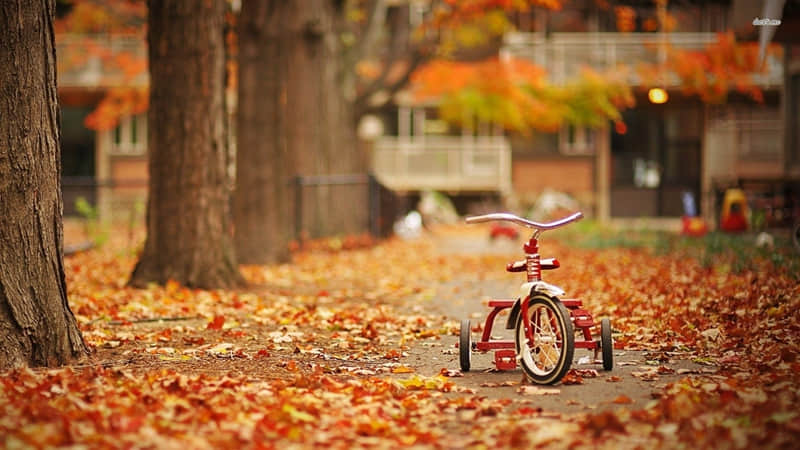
545	323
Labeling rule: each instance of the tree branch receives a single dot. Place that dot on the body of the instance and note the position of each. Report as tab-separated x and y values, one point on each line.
362	106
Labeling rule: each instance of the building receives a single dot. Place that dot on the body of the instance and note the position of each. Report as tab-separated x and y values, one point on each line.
107	167
665	150
683	145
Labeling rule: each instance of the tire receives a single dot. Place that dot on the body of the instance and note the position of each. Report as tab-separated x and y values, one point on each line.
796	235
550	357
465	346
606	344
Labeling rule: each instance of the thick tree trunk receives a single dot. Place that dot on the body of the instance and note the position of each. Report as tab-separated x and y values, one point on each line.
293	119
36	325
188	210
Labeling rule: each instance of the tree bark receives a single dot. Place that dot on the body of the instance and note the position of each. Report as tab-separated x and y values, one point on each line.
37	327
293	119
189	234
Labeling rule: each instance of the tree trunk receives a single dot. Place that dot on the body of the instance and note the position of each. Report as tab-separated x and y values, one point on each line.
37	326
293	119
188	210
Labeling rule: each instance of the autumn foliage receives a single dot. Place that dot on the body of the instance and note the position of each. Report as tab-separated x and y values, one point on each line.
516	94
106	16
711	73
314	354
511	93
95	32
118	102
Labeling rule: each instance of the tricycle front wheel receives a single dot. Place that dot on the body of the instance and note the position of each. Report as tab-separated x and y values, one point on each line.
465	346
547	356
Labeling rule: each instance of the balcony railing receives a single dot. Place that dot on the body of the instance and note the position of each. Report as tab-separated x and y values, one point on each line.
451	164
564	54
98	60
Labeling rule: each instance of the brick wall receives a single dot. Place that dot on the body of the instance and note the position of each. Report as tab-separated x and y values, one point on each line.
571	175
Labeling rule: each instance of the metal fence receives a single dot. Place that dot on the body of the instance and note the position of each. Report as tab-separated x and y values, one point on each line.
104	195
371	207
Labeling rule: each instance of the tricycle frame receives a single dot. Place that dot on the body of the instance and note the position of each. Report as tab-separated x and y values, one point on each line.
580	321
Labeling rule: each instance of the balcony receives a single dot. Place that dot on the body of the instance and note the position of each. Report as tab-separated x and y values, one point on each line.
442	163
101	61
564	54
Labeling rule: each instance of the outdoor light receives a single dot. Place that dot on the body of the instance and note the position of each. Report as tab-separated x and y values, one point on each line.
657	95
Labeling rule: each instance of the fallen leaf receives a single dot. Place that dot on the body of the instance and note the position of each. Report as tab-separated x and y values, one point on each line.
216	323
536	390
572	377
622	400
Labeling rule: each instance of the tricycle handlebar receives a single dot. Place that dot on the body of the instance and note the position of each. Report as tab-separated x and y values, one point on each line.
525	222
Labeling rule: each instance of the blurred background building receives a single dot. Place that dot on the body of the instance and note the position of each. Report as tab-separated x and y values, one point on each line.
640	169
664	150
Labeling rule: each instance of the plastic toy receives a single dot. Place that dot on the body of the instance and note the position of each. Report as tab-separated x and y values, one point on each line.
545	323
501	230
734	211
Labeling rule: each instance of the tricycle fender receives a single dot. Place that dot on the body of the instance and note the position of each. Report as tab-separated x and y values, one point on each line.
540	286
525	291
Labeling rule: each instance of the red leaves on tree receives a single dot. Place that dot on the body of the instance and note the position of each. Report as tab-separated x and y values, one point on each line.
117	103
713	72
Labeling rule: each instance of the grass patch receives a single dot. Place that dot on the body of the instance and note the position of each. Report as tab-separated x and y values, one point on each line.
734	252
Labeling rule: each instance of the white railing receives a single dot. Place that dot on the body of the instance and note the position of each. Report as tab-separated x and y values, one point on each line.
98	60
564	54
753	140
443	163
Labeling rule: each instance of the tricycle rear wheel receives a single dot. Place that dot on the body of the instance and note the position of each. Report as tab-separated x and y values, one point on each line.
465	346
606	344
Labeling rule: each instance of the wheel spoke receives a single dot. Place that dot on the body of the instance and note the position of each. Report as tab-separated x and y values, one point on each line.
544	344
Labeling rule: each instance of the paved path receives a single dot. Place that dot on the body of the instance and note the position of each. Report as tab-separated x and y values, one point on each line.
632	383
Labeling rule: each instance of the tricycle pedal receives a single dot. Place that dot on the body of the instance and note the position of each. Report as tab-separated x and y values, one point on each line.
505	359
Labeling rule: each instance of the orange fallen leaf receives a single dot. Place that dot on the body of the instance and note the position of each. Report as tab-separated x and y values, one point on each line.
216	323
451	373
572	377
536	390
623	400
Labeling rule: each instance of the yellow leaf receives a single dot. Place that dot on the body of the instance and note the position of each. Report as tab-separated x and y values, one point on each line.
294	413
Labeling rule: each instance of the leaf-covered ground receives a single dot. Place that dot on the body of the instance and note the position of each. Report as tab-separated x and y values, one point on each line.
313	354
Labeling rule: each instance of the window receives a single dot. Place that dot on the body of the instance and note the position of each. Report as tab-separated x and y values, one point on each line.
575	140
759	134
129	137
117	135
134	135
793	119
